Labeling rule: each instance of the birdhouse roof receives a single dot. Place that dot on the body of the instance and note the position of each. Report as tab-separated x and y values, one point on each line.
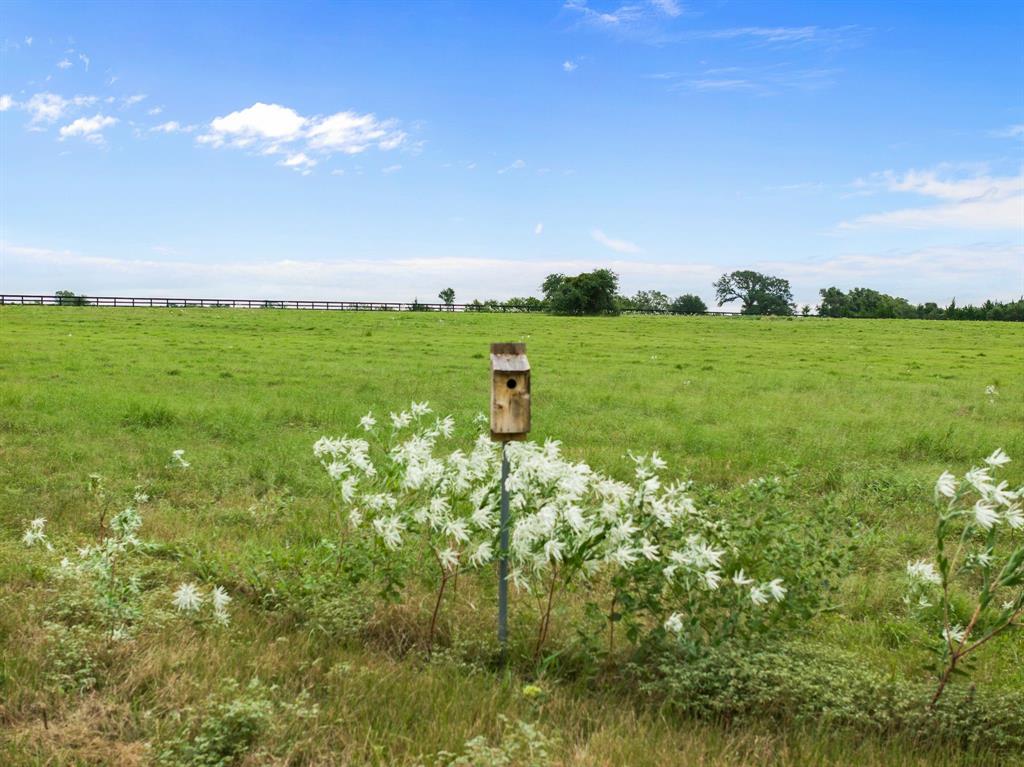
509	358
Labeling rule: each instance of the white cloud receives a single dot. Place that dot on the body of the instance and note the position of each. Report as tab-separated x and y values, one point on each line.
154	111
668	7
270	128
975	202
28	41
1012	131
89	128
539	229
263	121
569	66
6	102
50	107
517	165
299	161
85	60
64	64
619	246
172	126
391	169
129	101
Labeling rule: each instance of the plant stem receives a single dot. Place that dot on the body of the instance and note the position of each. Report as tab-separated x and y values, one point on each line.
437	610
542	635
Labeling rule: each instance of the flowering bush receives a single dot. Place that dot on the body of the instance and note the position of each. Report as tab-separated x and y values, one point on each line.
975	558
669	568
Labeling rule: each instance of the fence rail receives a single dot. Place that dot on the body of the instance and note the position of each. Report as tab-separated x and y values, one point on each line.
258	303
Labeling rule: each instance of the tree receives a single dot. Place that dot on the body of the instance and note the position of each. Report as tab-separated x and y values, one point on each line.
587	293
652	301
760	293
67	298
447	296
688	303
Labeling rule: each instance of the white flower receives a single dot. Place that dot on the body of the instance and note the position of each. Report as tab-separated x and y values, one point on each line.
483	554
954	635
776	589
674	623
623	555
985	515
998	458
449	558
368	421
420	408
401	420
553	550
945	485
711	579
178	459
445	426
140	497
757	596
457	529
188	598
741	580
1015	517
390	530
220	599
355	518
648	550
979	479
991	390
36	532
923	572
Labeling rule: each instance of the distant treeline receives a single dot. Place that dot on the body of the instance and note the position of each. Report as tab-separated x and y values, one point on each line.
596	293
868	303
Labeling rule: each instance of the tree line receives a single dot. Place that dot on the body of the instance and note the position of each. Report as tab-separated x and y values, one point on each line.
597	293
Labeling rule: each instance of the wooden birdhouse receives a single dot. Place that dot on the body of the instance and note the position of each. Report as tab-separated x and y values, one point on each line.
510	392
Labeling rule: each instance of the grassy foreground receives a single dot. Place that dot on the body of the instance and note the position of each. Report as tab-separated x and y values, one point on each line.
858	416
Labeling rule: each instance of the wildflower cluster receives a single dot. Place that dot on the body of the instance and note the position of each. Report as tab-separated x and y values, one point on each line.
666	560
117	591
36	534
189	598
978	551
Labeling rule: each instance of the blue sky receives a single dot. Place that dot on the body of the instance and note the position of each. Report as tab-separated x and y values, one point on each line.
385	151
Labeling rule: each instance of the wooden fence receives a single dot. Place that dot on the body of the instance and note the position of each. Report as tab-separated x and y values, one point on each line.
257	303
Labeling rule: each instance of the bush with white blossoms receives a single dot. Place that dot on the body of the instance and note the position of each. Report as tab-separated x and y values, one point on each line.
979	542
664	562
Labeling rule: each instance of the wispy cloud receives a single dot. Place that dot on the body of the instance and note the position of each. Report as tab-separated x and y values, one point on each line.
89	128
172	126
1011	131
569	66
538	230
970	272
619	246
391	168
980	201
273	128
516	165
46	108
766	80
64	64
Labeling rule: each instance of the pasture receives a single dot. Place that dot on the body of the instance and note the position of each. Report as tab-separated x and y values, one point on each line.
857	419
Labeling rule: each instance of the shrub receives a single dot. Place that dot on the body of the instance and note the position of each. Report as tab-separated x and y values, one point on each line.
796	684
688	303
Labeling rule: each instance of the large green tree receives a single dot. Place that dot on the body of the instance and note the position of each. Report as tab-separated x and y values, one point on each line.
588	293
760	293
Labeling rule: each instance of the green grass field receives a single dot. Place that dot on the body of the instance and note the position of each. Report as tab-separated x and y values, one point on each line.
859	417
